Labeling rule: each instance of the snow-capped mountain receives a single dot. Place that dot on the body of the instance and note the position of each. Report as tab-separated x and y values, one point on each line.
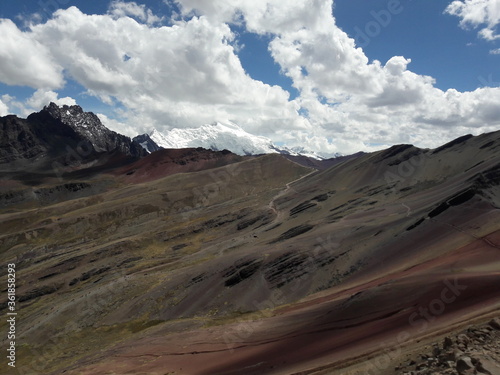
217	137
301	151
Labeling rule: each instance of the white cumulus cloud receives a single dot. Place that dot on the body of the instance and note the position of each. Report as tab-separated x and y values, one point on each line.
179	75
4	108
123	9
42	98
25	61
34	103
188	73
478	13
350	102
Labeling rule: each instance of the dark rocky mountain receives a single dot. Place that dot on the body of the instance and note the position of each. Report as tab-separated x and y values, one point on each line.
38	140
88	125
60	139
147	143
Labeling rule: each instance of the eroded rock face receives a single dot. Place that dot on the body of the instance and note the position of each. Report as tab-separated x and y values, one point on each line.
66	136
474	351
17	140
88	125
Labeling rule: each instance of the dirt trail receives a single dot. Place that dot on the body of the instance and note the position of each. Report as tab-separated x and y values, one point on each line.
272	205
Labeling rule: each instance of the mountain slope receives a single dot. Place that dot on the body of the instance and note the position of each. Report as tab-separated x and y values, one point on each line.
261	266
167	162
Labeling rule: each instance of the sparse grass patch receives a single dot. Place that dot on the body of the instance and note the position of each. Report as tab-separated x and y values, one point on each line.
141	325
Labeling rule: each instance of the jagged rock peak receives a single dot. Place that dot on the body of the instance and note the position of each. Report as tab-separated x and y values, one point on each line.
88	125
75	117
53	108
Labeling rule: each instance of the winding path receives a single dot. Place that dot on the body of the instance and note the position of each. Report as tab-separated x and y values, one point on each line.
272	205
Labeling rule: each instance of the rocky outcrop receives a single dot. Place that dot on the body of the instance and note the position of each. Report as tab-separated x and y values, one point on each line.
147	143
89	126
60	138
18	140
473	351
39	137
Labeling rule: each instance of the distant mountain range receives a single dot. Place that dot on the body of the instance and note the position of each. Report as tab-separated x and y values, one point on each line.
218	137
69	137
65	139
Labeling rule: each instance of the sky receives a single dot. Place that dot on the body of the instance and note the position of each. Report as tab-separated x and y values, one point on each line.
331	76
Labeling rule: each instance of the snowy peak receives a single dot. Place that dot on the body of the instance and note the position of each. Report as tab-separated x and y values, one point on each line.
217	137
301	151
220	136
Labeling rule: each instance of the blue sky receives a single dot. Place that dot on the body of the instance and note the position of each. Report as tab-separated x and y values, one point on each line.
313	87
457	58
